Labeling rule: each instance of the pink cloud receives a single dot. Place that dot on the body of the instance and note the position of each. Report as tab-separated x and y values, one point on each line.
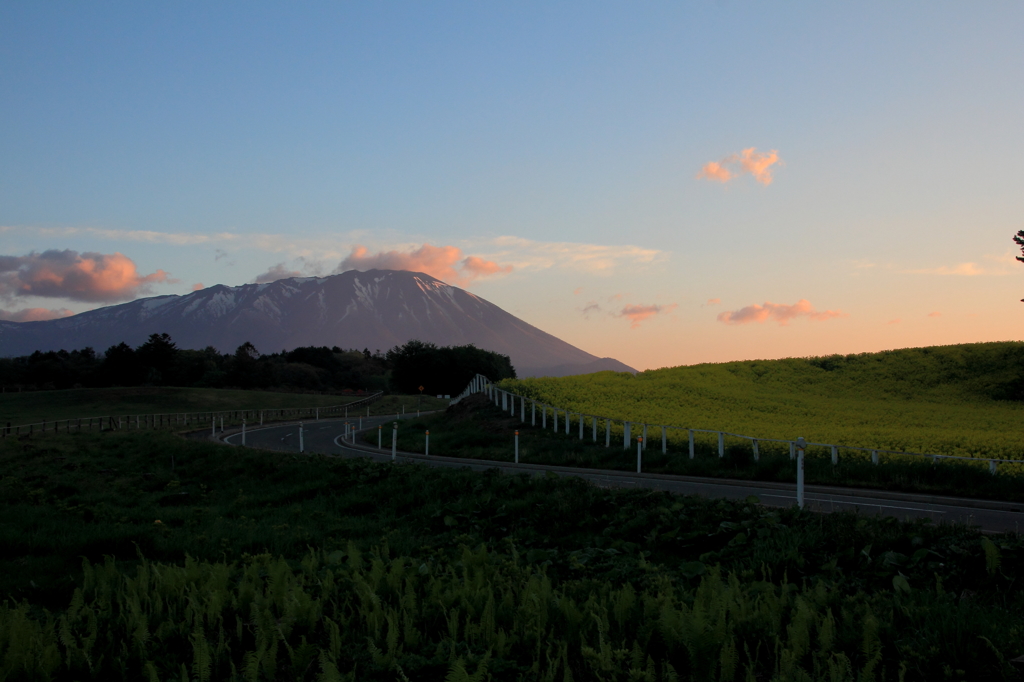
715	170
478	267
896	321
93	277
713	301
778	312
935	314
197	286
275	273
444	262
34	314
637	313
577	291
757	164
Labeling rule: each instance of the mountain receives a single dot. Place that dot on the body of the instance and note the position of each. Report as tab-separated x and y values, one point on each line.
377	309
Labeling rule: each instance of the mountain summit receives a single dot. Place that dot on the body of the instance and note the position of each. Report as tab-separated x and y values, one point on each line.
376	309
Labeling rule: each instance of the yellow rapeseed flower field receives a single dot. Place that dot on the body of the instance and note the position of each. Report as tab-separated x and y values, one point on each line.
953	400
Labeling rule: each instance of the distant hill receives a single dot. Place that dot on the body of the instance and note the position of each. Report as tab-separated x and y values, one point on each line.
377	309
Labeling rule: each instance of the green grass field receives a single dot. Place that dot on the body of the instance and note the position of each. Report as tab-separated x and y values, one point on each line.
36	406
249	565
955	400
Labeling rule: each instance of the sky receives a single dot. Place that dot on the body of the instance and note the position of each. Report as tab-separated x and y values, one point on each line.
665	183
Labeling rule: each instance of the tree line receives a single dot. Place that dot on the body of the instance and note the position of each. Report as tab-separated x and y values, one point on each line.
159	362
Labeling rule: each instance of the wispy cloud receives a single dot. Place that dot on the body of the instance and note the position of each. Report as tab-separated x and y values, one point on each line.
935	313
34	314
93	277
275	273
993	265
599	259
896	321
749	161
444	262
591	307
637	313
778	312
970	269
197	286
713	301
509	251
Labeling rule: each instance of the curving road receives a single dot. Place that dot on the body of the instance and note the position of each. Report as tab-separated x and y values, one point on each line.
328	437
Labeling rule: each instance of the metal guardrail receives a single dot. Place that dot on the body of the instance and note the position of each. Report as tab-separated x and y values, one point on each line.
178	420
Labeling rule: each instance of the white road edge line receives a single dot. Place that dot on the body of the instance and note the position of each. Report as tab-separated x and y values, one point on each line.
860	504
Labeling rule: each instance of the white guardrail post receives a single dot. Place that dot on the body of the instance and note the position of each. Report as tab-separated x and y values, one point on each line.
394	441
517	447
302	447
243	432
801	445
639	452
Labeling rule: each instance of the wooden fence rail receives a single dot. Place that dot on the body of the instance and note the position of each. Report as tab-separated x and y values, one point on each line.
179	420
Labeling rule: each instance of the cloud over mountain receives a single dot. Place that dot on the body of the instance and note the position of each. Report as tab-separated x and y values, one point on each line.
92	277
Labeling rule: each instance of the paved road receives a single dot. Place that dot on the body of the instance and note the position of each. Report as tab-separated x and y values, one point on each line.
327	436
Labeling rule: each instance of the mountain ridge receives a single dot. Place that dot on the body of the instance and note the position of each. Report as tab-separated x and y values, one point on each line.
375	309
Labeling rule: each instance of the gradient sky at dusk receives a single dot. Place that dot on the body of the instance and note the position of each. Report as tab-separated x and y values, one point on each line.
664	183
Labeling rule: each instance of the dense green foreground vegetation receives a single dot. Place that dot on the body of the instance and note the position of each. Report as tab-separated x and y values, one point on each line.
266	566
954	400
27	408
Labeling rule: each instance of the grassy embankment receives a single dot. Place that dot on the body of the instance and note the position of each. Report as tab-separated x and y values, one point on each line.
476	429
36	406
268	566
952	400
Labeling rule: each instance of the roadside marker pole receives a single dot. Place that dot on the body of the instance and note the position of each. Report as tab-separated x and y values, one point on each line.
607	433
394	441
721	444
302	447
645	436
533	419
639	452
380	430
664	441
625	435
213	428
517	447
800	445
427	450
691	442
222	424
757	454
243	432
